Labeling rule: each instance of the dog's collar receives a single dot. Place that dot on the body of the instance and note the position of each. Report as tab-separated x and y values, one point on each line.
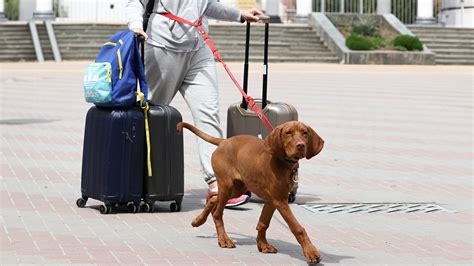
288	162
294	168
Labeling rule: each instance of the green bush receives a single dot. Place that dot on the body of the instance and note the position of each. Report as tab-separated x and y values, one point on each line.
380	42
408	43
361	43
366	27
12	9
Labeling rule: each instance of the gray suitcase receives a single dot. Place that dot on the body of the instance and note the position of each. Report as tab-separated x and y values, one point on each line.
242	120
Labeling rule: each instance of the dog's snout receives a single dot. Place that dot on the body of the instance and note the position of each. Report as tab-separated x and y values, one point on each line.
300	145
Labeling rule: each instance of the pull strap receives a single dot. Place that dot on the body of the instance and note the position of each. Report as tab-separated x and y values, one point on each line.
145	109
216	53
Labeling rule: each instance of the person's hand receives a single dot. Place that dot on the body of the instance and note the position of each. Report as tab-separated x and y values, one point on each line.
141	32
251	15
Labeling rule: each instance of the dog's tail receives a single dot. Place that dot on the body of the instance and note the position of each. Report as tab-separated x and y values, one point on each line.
199	133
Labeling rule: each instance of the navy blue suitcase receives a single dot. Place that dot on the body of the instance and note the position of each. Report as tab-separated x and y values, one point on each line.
113	158
167	159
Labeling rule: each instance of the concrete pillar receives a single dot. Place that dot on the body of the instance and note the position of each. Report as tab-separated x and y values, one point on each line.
2	10
384	7
425	12
273	10
44	10
303	9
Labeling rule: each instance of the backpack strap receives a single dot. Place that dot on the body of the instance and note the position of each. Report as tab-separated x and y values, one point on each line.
146	16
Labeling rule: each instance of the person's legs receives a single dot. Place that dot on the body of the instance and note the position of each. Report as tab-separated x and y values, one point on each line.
200	91
165	72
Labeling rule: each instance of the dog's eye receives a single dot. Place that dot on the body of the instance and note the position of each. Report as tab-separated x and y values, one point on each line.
305	133
288	132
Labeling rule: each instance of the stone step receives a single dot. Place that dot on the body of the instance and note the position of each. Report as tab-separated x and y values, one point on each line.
452	51
273	45
214	37
307	59
455	56
271	32
438	36
447	40
442	32
16	51
296	57
454	62
439	29
232	58
13	45
440	46
17	57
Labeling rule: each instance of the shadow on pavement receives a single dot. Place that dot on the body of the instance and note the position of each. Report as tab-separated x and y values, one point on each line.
283	247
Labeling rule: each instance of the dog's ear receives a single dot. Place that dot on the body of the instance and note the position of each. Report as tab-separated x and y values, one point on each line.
275	142
315	143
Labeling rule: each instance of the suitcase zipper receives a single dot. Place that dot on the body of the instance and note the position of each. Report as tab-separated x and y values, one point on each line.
119	56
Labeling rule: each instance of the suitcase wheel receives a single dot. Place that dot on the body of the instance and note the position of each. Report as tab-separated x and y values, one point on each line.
132	207
105	209
291	197
147	207
175	207
81	202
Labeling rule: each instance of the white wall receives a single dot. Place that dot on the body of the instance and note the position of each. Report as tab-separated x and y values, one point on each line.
92	10
452	14
27	7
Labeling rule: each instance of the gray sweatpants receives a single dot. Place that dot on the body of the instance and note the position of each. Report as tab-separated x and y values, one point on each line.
194	75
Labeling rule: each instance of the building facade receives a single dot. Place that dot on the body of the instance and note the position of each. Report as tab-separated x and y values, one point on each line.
450	13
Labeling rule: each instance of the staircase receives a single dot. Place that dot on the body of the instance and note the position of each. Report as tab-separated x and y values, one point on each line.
83	41
15	42
452	46
287	43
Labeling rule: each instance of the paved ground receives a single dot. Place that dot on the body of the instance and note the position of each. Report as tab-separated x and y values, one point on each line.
393	134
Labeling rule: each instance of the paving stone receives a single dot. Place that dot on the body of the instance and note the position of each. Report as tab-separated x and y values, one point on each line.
393	134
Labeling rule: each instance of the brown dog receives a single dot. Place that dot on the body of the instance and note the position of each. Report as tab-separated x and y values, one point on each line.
266	168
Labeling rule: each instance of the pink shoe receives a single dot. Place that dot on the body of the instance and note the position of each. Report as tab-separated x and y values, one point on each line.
232	202
237	201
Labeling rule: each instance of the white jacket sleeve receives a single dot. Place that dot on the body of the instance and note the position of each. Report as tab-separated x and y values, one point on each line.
218	11
134	10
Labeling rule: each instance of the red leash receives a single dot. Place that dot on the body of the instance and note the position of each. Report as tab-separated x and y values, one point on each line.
216	53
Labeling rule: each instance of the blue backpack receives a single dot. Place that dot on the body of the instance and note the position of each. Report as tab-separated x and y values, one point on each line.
112	80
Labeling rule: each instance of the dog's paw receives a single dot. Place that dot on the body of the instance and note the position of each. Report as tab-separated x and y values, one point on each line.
312	254
226	243
266	248
198	221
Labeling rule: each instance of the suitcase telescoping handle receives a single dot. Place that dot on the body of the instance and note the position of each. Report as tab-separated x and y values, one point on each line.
141	43
244	105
